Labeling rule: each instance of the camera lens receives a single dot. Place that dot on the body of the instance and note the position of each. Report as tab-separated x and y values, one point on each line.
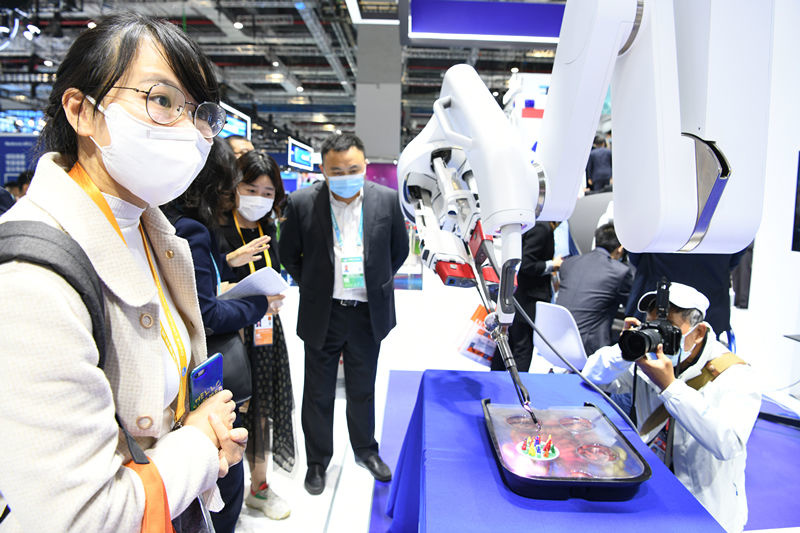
635	343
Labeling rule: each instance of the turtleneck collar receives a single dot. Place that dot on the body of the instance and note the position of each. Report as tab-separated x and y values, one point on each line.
126	213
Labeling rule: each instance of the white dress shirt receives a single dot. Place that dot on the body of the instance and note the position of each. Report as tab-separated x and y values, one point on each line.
348	218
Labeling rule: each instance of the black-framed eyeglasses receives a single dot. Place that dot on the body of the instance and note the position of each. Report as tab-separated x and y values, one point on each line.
165	105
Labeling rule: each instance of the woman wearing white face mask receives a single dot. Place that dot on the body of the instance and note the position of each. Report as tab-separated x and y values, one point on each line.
259	197
130	119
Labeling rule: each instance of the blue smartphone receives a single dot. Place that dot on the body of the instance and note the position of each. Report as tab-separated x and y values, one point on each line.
205	380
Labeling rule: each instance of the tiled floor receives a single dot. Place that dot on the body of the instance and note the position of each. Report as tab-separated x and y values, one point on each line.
430	325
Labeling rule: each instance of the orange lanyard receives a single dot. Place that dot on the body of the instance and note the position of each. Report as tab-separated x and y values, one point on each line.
81	178
260	234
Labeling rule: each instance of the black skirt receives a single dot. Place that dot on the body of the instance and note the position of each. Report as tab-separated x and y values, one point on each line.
272	400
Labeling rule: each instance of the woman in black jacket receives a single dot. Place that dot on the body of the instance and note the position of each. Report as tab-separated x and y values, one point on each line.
197	211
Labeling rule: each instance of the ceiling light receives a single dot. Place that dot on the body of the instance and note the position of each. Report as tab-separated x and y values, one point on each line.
300	88
238	25
514	70
276	64
338	132
344	82
5	29
394	161
91	25
47	63
274	130
34	29
495	93
28	35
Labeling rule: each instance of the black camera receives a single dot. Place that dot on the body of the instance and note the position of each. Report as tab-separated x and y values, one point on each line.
636	342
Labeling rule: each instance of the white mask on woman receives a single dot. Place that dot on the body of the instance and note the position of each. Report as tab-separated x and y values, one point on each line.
254	208
155	163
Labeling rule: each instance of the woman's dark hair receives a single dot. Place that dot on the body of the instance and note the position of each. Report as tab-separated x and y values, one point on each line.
213	192
100	56
257	163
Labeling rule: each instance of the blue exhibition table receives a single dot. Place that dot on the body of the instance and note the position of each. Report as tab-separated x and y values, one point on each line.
447	478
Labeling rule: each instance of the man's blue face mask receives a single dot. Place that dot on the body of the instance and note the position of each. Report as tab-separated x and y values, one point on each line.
346	186
682	354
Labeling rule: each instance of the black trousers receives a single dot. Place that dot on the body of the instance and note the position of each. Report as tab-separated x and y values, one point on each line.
349	335
520	338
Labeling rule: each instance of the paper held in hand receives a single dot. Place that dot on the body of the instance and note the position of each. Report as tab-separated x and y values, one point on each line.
264	282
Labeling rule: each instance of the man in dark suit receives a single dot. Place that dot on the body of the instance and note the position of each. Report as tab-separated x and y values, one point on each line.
593	286
342	241
6	200
533	285
708	273
598	168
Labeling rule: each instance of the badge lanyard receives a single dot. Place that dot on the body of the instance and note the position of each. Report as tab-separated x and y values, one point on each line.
216	271
352	265
339	240
78	174
260	234
262	330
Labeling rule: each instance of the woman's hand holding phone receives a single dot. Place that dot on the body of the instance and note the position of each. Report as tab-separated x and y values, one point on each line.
220	405
232	443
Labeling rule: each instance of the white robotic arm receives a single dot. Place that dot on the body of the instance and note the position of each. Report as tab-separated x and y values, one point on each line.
689	150
467	164
468	151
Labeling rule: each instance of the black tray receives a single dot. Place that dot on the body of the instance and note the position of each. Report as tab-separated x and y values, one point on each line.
595	461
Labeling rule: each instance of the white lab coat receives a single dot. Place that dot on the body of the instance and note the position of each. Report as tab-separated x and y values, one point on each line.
713	424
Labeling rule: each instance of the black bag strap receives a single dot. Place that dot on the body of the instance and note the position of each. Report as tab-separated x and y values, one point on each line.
49	247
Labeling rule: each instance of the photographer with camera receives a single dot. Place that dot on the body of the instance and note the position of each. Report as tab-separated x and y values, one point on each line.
694	402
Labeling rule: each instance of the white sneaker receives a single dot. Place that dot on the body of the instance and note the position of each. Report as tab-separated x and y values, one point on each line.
272	505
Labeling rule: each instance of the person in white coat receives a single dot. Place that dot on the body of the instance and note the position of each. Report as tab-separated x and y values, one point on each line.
130	118
710	401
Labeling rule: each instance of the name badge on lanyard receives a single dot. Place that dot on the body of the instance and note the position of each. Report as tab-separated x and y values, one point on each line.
262	331
353	272
352	261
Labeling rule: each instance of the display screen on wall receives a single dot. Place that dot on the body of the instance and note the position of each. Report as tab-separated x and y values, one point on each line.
796	231
236	123
299	155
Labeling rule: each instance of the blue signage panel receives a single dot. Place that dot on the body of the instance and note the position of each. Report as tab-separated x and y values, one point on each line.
486	18
479	23
16	155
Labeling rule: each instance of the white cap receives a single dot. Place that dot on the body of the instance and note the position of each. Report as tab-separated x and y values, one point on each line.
680	295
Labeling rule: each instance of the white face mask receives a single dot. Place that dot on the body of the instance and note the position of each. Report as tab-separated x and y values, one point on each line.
155	163
254	208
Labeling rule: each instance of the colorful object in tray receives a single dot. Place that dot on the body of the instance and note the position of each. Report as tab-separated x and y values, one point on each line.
538	450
